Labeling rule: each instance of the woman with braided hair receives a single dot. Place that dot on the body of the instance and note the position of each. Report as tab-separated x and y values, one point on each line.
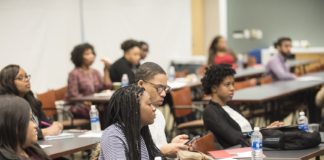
127	135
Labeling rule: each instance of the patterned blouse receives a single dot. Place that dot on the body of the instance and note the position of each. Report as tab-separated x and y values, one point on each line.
82	84
113	145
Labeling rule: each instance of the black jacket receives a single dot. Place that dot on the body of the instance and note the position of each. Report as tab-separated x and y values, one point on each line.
227	132
120	67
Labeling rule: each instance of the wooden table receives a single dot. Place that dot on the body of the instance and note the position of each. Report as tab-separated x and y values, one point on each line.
68	146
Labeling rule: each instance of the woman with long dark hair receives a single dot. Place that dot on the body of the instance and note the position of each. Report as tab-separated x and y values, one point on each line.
14	80
18	134
127	135
218	52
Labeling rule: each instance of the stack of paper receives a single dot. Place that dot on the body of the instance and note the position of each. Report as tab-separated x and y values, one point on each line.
91	135
60	136
309	78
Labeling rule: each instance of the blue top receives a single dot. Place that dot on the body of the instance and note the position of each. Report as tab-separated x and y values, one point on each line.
113	145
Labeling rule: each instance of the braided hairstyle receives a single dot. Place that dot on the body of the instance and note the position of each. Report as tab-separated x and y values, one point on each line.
215	75
124	111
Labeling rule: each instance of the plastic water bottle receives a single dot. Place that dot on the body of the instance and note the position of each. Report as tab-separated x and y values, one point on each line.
171	73
95	123
257	144
303	121
239	60
125	80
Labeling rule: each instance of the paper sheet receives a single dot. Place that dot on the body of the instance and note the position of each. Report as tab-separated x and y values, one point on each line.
245	154
91	135
45	146
175	84
309	78
220	154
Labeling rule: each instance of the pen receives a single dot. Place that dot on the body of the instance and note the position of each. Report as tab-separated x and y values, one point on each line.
47	124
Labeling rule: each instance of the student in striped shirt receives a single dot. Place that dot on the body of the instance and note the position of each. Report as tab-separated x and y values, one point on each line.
127	135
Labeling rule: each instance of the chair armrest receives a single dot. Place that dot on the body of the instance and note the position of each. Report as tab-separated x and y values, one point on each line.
188	107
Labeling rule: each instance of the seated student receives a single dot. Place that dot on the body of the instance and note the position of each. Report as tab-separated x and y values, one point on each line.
218	52
144	49
127	136
128	64
154	79
278	66
84	80
18	134
14	80
224	120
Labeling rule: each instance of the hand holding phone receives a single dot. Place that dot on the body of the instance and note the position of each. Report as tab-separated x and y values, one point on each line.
193	139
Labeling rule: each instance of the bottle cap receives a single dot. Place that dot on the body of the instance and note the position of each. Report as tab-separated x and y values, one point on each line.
256	129
302	113
93	106
157	158
125	75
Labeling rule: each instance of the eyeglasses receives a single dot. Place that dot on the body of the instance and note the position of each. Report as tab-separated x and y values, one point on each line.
160	88
23	78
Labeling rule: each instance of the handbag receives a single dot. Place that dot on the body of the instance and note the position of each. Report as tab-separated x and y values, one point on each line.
79	110
193	155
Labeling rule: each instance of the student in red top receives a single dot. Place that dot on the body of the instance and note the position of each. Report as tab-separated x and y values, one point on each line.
218	53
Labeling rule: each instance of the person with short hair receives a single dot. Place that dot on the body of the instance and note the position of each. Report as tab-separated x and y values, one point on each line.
220	117
154	79
144	48
278	66
84	80
15	81
128	64
18	135
127	136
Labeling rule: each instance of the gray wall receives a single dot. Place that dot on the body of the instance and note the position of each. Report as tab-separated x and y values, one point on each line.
297	19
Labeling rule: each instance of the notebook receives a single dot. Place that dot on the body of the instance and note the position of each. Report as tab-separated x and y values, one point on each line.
60	136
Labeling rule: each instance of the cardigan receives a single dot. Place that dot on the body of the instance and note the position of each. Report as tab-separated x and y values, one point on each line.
227	132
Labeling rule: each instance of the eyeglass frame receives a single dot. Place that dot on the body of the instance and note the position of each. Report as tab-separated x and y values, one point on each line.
24	78
159	85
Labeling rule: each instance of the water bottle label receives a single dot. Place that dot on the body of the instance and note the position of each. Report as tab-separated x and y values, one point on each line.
303	127
171	75
124	84
256	145
94	119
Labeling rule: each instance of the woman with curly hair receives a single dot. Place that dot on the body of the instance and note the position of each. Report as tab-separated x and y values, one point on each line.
128	64
127	136
223	119
84	80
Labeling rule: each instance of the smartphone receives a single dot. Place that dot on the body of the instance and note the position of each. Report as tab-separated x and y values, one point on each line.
193	139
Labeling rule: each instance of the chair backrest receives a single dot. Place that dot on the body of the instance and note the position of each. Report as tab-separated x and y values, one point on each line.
322	67
182	97
266	80
313	70
251	61
181	74
60	93
245	84
205	144
48	101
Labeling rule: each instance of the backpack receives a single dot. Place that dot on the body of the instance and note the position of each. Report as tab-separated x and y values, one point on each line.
289	139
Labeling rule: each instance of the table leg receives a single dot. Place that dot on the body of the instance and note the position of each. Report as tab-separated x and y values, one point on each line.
317	157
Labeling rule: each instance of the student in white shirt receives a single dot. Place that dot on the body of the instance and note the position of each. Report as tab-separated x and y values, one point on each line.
154	79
